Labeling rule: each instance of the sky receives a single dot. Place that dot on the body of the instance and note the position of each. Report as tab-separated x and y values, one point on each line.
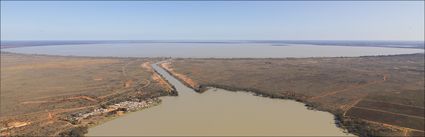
212	20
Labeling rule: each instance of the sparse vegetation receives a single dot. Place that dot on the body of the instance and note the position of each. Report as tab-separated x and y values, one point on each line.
39	93
371	96
75	132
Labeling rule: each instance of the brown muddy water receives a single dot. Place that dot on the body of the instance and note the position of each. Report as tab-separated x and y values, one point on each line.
219	112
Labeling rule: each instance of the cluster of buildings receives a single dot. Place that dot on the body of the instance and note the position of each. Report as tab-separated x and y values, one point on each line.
121	107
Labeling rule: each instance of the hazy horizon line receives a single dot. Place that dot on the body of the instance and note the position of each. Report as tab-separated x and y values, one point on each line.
200	40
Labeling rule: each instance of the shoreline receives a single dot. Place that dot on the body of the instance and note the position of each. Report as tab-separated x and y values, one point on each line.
105	119
205	58
348	125
309	105
115	116
87	103
357	43
172	93
422	51
98	119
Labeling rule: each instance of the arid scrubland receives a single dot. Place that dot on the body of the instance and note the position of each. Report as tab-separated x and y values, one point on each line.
382	95
53	95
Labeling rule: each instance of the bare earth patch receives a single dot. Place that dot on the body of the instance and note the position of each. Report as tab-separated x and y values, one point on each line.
51	95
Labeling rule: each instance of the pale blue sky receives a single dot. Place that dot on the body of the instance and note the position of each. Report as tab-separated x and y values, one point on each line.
234	20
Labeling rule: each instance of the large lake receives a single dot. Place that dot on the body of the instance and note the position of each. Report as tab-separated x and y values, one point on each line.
217	111
207	50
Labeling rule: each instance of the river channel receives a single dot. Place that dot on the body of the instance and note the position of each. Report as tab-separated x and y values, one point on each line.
218	112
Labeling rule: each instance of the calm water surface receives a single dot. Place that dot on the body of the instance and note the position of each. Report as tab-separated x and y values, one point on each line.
197	50
219	112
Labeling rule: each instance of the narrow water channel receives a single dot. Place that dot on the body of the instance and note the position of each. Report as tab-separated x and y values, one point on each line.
219	112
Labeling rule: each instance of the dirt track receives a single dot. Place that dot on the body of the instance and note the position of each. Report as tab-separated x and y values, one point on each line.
63	86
